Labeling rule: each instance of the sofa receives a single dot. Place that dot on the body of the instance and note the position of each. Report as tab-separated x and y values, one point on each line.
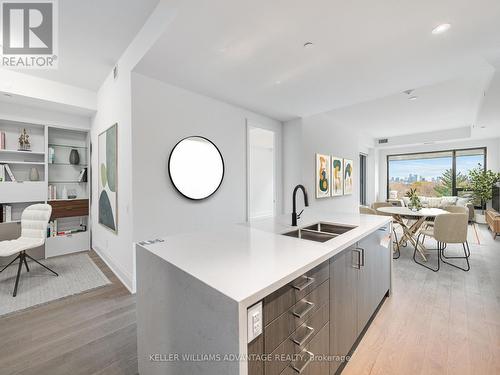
443	202
493	220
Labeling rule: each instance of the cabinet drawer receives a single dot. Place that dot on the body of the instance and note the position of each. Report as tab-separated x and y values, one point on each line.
69	208
280	328
281	300
314	361
297	341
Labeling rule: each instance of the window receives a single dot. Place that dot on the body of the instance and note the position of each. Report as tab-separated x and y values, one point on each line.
433	174
362	179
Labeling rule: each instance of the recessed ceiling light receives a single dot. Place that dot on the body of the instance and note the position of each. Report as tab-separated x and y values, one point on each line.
413	98
308	44
444	27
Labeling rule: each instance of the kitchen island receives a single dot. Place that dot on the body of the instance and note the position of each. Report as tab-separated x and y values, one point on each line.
207	300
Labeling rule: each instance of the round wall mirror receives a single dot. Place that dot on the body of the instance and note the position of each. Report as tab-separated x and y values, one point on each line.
196	167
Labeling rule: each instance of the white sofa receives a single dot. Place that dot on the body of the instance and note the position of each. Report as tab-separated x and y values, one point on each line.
442	202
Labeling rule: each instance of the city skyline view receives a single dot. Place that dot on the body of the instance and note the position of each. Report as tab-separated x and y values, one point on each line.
432	168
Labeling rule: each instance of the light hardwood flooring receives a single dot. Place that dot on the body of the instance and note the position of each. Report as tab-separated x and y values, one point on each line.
434	323
89	333
437	323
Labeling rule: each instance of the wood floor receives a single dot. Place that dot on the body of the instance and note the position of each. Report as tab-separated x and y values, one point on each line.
90	333
435	323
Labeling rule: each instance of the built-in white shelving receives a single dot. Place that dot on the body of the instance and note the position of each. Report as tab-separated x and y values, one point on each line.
58	172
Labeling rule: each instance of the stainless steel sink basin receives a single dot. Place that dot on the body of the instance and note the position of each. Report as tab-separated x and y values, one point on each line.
331	228
311	235
320	232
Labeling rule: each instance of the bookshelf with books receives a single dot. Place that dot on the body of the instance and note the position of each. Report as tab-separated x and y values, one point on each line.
52	167
68	190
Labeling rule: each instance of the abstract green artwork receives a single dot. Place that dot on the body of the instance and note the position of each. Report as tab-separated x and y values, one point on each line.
108	202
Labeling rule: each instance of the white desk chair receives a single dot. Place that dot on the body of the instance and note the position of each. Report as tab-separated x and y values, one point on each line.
34	222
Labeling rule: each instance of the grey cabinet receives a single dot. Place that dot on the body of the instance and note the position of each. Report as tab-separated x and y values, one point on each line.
343	304
373	276
359	280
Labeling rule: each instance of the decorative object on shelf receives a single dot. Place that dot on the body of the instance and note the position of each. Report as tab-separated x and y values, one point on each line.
52	155
34	176
196	167
322	176
482	182
108	192
348	176
24	141
72	194
74	157
415	204
64	194
337	176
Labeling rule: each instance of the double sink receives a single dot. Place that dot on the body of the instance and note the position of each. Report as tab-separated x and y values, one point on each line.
320	232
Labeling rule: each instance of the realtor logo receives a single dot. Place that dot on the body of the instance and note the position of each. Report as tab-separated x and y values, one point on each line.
29	34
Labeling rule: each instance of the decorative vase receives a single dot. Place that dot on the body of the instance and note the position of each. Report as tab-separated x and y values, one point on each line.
64	194
74	157
34	176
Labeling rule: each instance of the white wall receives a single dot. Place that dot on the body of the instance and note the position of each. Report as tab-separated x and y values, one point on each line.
23	113
162	115
319	134
31	87
114	106
492	159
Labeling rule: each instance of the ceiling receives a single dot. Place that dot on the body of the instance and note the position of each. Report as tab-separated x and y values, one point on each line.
445	105
251	54
93	34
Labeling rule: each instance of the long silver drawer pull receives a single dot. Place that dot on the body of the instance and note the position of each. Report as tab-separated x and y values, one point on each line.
303	313
301	370
309	281
357	264
310	331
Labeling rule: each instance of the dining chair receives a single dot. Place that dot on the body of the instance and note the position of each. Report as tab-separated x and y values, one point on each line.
450	228
372	211
34	220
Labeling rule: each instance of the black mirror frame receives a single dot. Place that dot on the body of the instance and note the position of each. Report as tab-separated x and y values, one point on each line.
221	158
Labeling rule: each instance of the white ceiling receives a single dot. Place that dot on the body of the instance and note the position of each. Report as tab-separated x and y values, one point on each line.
237	50
93	34
446	105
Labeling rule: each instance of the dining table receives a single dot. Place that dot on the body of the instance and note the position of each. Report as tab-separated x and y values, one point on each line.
411	221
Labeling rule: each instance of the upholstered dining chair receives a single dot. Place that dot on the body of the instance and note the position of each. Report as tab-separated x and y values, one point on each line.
448	228
375	206
371	211
34	220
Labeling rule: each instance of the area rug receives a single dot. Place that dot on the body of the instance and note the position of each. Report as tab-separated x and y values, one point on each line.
77	274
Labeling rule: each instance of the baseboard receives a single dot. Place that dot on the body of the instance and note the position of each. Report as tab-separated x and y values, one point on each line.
123	276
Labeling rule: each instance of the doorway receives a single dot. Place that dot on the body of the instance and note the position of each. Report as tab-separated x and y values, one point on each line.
261	173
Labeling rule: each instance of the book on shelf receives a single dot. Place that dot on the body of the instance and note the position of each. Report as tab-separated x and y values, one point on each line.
6	213
52	193
82	177
2	140
9	172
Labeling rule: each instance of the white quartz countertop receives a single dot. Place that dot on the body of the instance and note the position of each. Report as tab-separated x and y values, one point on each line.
246	262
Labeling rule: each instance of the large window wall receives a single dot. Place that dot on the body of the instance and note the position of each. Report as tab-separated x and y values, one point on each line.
433	174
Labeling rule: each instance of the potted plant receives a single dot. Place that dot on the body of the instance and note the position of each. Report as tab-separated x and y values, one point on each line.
415	204
481	183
